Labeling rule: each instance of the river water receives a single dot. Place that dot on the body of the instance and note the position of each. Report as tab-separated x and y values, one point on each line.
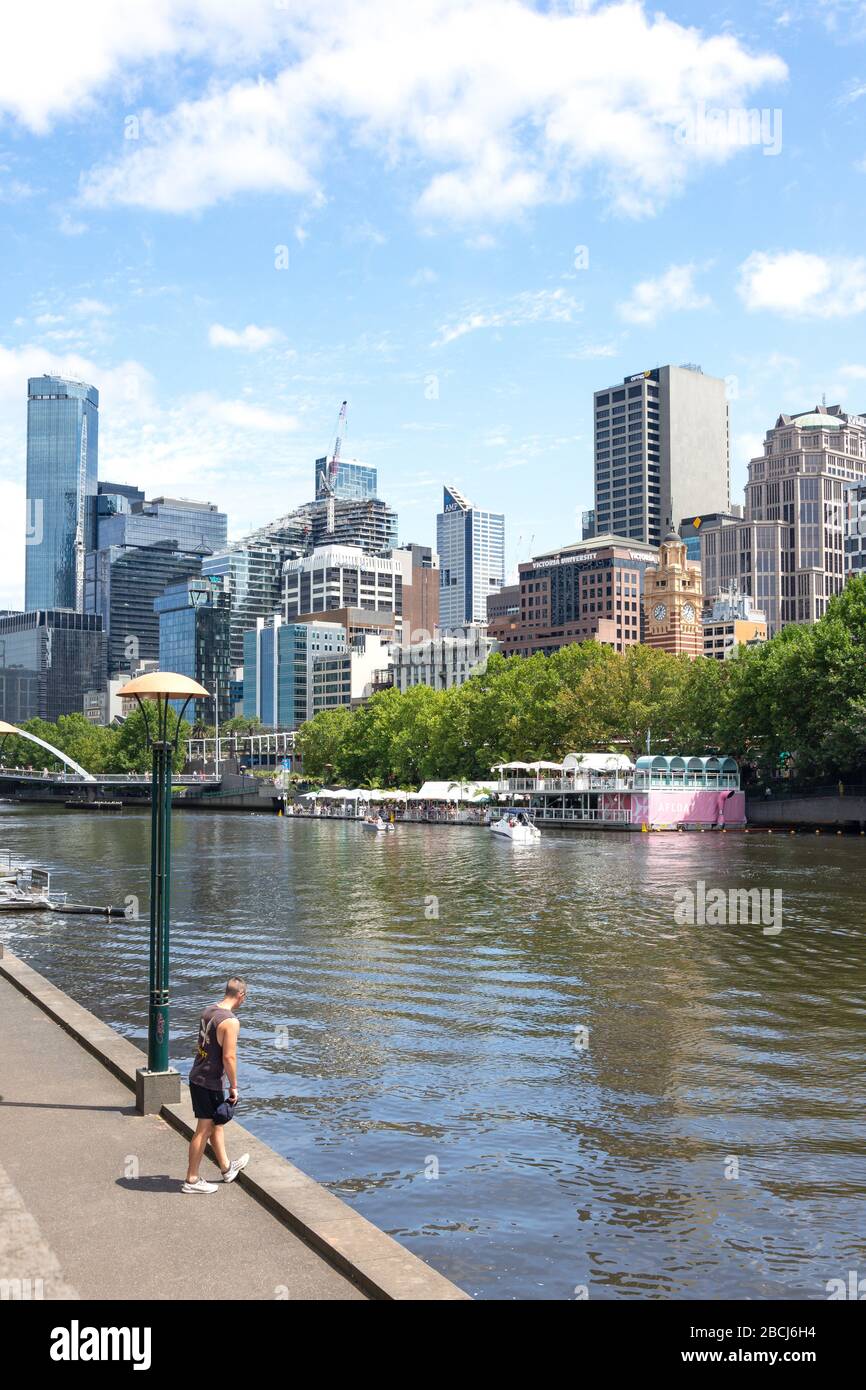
512	1058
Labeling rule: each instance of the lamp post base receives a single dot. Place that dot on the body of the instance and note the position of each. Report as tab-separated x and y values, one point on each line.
154	1089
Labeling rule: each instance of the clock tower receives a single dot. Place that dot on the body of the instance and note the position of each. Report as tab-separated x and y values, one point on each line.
672	601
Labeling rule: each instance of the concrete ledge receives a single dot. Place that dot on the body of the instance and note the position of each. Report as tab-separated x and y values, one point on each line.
380	1266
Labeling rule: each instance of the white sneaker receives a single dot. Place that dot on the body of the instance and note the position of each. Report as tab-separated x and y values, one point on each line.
235	1167
199	1186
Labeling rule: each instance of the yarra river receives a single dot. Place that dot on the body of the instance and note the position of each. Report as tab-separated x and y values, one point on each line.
413	1036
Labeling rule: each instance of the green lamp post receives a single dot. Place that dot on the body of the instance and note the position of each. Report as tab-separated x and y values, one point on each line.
158	1084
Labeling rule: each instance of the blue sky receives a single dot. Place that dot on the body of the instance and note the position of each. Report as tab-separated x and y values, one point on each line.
464	218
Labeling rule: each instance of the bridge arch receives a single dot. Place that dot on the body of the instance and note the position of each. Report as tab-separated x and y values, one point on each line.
6	729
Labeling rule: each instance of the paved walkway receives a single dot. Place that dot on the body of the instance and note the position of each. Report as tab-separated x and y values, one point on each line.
90	1199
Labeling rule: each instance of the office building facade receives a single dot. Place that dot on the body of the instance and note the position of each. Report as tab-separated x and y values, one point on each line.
341	576
62	456
48	660
348	677
252	573
589	591
662	451
420	591
194	640
788	554
471	547
278	668
441	662
855	528
353	481
365	522
125	518
121	585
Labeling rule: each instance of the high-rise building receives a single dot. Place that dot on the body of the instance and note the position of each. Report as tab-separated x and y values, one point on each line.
732	621
353	480
855	528
48	660
673	601
141	547
587	528
62	453
367	522
690	528
420	591
278	668
588	591
471	546
125	518
194	635
503	613
662	451
343	576
121	584
788	553
752	554
252	572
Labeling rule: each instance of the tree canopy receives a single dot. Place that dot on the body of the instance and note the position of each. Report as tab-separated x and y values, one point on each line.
797	701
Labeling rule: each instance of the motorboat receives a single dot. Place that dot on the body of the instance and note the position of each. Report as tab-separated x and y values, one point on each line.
376	823
516	825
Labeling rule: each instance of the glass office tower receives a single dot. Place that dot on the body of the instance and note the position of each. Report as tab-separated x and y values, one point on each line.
62	449
194	634
356	482
47	662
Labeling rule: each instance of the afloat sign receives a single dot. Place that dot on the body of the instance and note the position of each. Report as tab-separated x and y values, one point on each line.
77	1343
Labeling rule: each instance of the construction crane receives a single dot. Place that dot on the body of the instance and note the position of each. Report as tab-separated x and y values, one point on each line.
329	477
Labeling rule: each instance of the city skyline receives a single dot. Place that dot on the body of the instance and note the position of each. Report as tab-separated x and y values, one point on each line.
466	271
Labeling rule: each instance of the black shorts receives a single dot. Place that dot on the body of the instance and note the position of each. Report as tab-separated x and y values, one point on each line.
205	1101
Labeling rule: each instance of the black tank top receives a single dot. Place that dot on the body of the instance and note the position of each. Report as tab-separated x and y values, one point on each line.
207	1069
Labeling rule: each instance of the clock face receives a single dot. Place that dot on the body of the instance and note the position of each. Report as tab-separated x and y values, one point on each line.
688	612
660	612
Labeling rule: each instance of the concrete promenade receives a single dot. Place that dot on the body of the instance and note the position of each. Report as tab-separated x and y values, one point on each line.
90	1200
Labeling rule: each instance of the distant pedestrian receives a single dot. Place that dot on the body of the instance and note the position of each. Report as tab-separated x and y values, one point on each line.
215	1066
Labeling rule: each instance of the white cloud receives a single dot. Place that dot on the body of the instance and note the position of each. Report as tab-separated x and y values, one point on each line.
668	293
499	105
251	339
855	371
539	306
424	276
800	284
90	308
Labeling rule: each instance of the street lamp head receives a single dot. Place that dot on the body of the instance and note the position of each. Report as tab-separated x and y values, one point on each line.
165	685
161	687
8	728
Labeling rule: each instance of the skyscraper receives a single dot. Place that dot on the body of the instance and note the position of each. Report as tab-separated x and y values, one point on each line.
788	552
252	569
47	662
471	546
62	452
194	641
354	481
661	452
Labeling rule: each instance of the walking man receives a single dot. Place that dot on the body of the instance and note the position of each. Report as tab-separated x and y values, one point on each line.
215	1067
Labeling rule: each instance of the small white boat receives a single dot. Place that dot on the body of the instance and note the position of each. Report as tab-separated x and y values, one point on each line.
515	825
376	823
